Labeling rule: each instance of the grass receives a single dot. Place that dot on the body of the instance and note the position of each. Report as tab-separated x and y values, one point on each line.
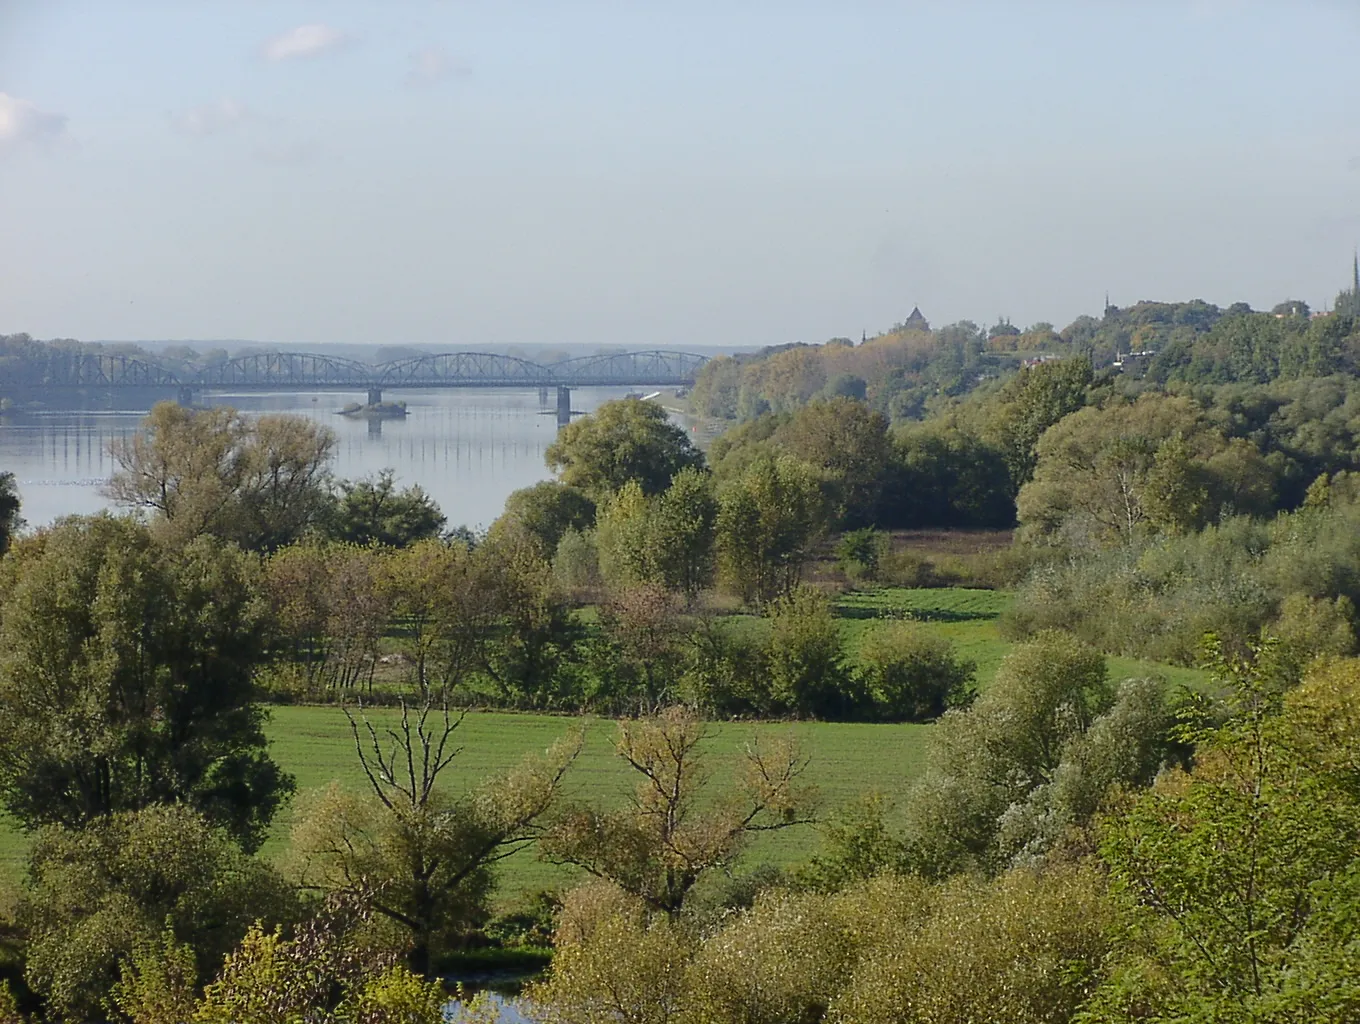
315	745
969	618
847	760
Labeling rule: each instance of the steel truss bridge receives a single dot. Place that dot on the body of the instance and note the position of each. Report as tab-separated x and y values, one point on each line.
303	371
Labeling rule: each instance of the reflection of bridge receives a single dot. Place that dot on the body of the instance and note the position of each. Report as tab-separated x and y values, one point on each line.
301	371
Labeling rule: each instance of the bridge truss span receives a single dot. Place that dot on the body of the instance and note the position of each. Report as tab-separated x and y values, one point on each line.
462	369
88	370
639	368
284	370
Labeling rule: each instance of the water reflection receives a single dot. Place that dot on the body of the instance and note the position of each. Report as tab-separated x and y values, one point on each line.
468	448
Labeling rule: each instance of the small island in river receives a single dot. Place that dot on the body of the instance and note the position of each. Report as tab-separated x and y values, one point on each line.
378	410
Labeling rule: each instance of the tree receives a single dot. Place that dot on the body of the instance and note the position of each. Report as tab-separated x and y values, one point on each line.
375	512
1112	473
1237	880
1291	307
803	658
10	522
212	471
949	476
767	522
1031	402
1012	739
96	893
683	525
126	679
443	599
547	510
322	972
533	640
665	540
409	851
640	660
672	834
621	441
848	442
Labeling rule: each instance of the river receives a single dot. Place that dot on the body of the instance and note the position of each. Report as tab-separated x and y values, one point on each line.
468	448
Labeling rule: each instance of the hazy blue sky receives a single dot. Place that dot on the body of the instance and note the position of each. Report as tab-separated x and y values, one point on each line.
663	173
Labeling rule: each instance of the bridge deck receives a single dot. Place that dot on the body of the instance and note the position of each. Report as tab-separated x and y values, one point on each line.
306	371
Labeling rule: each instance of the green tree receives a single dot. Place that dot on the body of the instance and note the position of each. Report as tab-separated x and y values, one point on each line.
994	753
1237	880
95	893
322	972
547	510
1112	473
859	552
10	522
1031	402
621	441
848	442
126	679
410	851
683	528
261	483
768	520
443	599
951	477
716	388
533	643
375	512
665	540
804	659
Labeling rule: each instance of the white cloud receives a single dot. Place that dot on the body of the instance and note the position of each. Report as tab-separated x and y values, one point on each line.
21	123
211	118
303	41
432	64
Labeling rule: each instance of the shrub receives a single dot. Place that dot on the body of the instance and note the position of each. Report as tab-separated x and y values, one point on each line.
96	893
803	658
911	674
860	552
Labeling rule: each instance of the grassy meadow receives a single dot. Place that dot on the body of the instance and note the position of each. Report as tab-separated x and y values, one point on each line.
847	760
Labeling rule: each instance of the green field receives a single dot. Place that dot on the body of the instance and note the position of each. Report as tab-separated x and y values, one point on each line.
315	745
847	760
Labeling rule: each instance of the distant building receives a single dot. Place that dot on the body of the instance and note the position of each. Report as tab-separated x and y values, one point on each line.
916	322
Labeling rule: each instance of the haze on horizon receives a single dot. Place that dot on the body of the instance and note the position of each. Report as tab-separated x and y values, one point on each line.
734	173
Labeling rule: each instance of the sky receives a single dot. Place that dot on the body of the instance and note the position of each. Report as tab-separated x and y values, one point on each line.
706	172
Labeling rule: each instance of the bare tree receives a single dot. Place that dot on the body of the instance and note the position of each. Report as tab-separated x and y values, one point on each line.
670	835
421	858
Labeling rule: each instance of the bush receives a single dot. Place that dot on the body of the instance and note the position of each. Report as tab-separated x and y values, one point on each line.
96	893
859	553
803	658
911	674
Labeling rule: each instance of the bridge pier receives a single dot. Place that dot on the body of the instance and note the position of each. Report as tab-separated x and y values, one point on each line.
185	396
374	396
563	405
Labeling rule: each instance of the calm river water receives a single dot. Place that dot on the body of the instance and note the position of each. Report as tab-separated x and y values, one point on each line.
468	448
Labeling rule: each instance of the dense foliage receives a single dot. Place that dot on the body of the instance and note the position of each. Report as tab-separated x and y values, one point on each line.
126	679
1078	848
